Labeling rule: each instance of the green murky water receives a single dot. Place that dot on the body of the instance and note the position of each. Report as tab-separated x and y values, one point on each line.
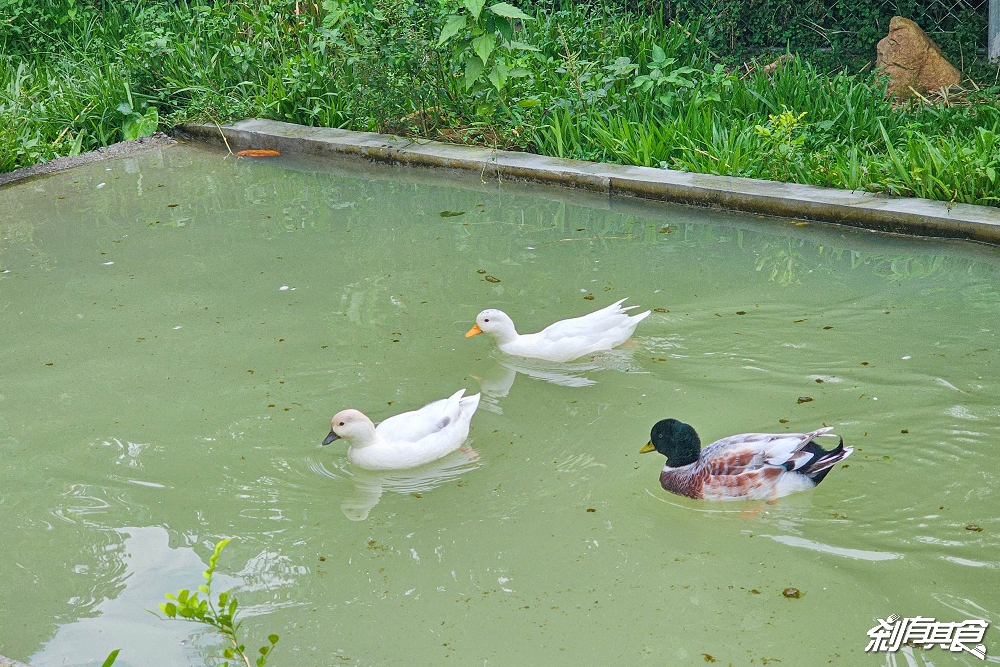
176	330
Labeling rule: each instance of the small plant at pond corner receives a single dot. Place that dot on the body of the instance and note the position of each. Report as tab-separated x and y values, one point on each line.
482	38
783	137
187	606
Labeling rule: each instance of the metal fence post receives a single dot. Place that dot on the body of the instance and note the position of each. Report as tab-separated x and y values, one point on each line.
993	36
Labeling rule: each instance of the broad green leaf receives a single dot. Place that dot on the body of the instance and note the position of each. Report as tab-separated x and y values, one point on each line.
483	46
498	75
529	103
273	639
228	653
503	26
658	54
264	650
519	72
473	70
110	660
509	11
136	126
475	7
521	46
182	595
452	25
169	609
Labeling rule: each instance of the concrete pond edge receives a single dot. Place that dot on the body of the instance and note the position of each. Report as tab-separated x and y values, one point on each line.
10	662
120	149
897	215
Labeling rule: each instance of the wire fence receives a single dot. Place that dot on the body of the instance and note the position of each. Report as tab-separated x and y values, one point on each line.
837	28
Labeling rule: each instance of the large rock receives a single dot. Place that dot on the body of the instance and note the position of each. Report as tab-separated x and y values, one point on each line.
913	60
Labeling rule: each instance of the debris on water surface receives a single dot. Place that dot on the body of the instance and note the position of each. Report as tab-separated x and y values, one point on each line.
741	312
828	327
667	229
322	559
792	593
258	152
864	363
492	279
660	310
973	527
707	657
589	297
591	509
782	421
480	271
172	205
804	399
802	320
819	380
451	214
905	430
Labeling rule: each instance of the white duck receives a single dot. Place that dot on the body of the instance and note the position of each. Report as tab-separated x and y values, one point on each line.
408	439
564	340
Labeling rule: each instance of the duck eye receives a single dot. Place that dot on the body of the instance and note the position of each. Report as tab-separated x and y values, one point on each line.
486	320
341	423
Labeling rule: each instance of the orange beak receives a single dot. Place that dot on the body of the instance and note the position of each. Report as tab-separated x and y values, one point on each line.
474	331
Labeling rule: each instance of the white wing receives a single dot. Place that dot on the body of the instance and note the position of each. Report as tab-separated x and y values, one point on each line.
418	424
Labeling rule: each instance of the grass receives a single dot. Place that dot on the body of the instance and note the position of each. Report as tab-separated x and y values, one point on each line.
596	82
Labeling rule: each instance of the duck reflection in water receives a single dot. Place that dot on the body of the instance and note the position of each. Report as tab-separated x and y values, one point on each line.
498	381
369	485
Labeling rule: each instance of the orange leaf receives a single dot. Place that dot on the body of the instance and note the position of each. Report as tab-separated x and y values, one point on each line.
258	152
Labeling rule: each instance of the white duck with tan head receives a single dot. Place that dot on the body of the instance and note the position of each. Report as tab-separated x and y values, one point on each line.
406	440
564	340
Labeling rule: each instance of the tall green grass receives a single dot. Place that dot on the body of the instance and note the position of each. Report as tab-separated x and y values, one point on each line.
603	84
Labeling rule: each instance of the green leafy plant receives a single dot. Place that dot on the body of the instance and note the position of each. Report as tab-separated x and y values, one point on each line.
221	615
662	80
482	40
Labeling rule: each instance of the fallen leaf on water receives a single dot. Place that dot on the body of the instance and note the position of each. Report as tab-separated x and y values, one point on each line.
660	310
589	297
451	214
782	421
258	152
491	279
480	271
973	527
741	312
792	593
804	399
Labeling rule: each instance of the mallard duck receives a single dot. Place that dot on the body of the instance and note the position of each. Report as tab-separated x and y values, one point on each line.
408	439
565	340
750	466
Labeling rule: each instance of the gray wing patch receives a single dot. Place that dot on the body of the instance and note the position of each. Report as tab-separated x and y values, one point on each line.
444	422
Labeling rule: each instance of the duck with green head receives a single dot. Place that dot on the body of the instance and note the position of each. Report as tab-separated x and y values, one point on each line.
749	466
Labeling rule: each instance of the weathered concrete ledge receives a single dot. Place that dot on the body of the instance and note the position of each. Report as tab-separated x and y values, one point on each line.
10	662
900	215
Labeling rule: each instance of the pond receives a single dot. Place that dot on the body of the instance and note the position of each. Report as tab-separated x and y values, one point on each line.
178	327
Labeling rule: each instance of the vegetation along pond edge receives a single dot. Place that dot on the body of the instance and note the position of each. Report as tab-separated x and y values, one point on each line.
899	215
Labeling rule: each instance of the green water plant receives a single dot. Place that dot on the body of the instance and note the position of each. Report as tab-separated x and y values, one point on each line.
221	615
